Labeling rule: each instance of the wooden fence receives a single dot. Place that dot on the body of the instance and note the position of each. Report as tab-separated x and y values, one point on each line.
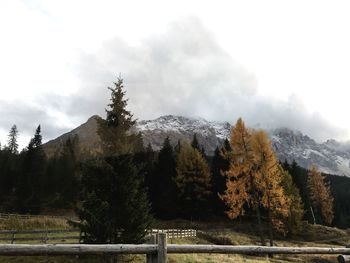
64	235
157	253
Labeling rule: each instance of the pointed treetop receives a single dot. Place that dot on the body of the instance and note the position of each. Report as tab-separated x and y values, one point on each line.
117	115
36	141
12	140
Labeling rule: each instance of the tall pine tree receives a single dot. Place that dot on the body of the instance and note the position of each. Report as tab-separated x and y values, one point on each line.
220	165
115	206
12	144
164	193
30	184
116	131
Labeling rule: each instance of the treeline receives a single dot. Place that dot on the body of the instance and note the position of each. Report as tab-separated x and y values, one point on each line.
30	182
129	184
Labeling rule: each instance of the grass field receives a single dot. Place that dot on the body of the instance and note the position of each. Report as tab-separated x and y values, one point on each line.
226	233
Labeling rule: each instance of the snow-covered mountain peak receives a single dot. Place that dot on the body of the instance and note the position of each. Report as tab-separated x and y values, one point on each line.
331	157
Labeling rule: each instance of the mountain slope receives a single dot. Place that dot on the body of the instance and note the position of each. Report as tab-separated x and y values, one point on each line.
331	156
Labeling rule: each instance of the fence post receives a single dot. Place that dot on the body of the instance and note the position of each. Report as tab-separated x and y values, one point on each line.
162	248
152	258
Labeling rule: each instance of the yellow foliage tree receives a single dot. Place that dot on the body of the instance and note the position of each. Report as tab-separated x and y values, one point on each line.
193	180
268	179
320	195
254	178
241	184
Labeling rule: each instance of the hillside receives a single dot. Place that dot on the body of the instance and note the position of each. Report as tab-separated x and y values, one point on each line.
331	157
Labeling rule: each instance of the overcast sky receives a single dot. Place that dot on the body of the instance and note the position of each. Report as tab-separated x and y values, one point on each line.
274	63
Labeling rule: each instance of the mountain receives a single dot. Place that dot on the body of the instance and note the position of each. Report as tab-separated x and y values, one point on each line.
331	156
89	141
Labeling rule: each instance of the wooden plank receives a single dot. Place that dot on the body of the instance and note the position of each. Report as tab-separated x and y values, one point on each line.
54	249
183	249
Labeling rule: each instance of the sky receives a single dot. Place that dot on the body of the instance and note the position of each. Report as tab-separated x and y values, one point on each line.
273	63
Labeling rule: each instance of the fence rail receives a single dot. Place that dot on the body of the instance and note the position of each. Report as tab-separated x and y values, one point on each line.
158	252
21	216
50	234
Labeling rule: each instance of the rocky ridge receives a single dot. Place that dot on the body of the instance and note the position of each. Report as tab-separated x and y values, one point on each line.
331	156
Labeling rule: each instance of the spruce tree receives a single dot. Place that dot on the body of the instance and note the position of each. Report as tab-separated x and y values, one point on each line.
115	208
196	145
116	130
163	190
30	185
12	144
220	165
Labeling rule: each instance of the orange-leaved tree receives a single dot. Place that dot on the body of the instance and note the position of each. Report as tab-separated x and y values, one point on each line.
241	184
254	179
268	179
320	195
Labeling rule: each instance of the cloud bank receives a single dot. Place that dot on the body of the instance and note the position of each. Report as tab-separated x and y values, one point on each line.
181	71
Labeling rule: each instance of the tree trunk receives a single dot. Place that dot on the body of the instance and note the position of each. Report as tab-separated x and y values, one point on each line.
258	215
270	224
313	215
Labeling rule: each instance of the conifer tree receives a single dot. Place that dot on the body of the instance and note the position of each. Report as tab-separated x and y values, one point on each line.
10	164
115	205
116	130
254	178
12	145
268	178
163	187
196	145
220	165
295	206
30	188
193	180
115	208
320	195
241	185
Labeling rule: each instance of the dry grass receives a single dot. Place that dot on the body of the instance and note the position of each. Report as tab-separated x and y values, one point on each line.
237	233
17	223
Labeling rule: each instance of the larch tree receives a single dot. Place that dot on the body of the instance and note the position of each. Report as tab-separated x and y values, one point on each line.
193	180
254	179
268	178
116	131
320	195
241	185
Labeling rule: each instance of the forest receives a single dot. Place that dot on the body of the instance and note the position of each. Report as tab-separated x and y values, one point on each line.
242	181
